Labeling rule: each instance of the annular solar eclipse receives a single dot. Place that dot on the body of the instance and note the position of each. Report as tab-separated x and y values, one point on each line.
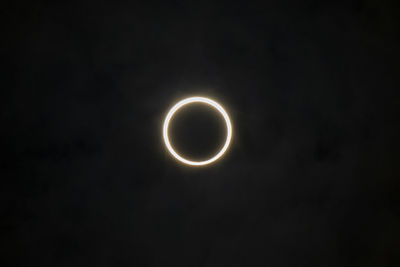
212	104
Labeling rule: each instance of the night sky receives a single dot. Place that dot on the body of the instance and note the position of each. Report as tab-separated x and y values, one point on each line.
312	177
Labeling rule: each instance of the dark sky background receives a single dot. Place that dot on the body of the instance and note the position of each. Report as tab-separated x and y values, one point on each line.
312	175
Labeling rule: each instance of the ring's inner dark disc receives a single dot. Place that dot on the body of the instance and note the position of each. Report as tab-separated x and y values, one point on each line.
197	131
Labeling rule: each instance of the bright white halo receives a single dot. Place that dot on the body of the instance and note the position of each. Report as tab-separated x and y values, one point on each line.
213	104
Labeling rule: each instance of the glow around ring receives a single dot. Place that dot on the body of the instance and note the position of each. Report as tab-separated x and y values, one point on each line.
210	102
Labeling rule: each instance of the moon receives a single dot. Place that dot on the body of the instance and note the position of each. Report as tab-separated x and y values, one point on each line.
212	104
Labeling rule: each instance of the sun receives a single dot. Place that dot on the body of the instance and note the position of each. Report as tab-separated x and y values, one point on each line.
212	104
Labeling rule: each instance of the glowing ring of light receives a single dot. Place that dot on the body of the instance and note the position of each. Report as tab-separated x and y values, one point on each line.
190	100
